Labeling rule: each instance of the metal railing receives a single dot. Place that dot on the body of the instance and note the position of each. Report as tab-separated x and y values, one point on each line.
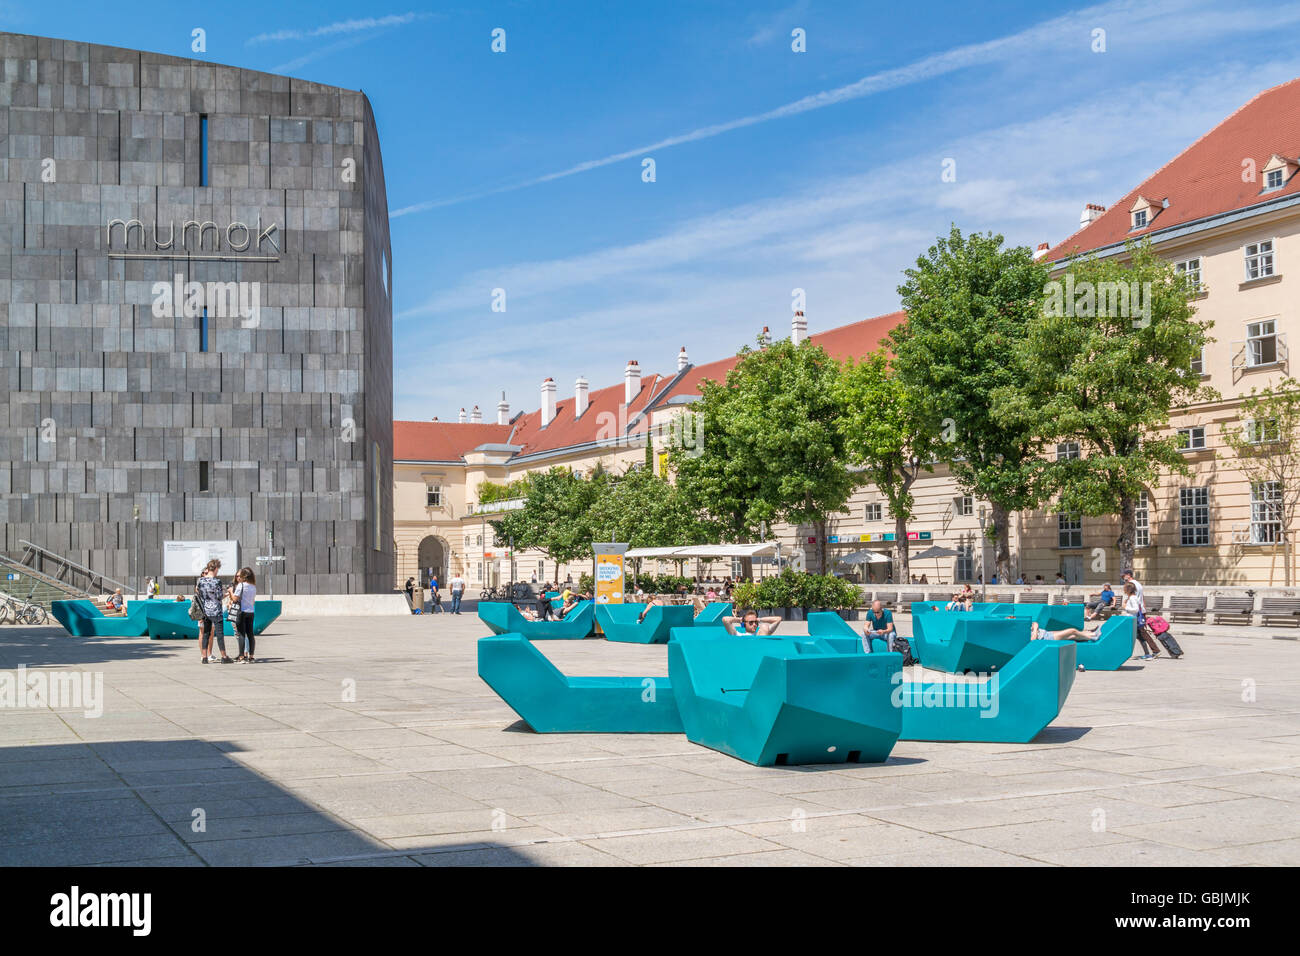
43	588
36	557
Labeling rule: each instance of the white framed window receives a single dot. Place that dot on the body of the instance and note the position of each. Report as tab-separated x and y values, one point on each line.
1198	363
1194	516
1190	269
1259	259
1261	343
1265	512
479	540
1263	431
874	512
1142	522
965	563
433	496
1191	439
965	505
1067	450
1274	179
1140	219
1069	531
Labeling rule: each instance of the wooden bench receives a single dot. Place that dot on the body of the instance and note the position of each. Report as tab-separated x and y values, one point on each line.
1186	607
907	597
1236	609
1003	598
1034	597
1073	599
1281	610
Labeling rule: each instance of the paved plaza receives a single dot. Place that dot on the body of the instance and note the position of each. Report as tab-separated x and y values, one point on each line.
373	742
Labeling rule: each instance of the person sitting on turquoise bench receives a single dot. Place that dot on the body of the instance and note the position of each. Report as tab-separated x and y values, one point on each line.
750	624
653	602
879	625
573	601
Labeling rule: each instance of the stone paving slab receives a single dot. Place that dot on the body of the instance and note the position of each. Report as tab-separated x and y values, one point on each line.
389	751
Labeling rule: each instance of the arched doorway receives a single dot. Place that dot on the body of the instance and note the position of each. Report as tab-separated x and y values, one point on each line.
433	556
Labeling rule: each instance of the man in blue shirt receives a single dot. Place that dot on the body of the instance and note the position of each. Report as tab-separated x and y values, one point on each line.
1104	600
880	624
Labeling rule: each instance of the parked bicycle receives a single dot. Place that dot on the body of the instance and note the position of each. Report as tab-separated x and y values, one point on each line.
22	612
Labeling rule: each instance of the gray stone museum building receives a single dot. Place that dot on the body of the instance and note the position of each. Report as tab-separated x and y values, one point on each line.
195	317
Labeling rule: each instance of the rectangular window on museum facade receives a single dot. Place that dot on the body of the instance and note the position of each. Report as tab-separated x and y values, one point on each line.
1194	516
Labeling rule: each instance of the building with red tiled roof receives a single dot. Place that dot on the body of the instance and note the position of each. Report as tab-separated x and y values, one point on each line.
1226	212
439	466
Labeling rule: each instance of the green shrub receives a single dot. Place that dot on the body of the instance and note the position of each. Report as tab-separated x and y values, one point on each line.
745	596
586	584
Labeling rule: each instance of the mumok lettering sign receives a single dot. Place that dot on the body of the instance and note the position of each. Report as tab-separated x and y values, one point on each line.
131	238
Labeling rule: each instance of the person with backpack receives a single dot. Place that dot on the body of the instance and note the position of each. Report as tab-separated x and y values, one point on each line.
207	597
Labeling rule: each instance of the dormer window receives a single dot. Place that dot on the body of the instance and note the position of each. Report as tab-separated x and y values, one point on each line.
1143	212
1277	172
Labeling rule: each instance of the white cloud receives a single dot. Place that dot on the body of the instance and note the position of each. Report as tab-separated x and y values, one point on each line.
340	27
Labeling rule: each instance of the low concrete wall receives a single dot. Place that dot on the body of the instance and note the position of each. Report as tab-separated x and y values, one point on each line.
345	605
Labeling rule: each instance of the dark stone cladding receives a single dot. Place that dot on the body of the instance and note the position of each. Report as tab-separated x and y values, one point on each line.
107	407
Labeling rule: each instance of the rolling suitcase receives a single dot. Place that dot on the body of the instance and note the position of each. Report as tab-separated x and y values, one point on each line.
1160	628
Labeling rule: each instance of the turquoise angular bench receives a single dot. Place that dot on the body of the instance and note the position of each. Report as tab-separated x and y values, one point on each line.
1054	617
1113	646
504	618
1012	705
961	641
171	619
619	622
82	618
782	701
828	624
713	613
552	703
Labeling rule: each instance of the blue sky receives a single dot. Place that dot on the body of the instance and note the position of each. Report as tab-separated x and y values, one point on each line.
774	169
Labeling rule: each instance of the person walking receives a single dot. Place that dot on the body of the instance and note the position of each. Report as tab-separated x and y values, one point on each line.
243	595
435	599
457	591
212	633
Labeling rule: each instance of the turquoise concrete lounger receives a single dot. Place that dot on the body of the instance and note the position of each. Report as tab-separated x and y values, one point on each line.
960	641
831	625
713	613
552	703
777	701
619	621
504	618
1012	705
1113	646
171	619
81	618
1054	617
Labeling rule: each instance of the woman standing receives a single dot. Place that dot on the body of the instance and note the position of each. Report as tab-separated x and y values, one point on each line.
212	633
245	593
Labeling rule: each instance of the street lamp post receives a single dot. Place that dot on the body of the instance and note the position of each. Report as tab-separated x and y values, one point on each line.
984	563
135	520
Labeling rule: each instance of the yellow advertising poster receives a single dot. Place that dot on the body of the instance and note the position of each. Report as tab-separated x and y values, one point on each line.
609	573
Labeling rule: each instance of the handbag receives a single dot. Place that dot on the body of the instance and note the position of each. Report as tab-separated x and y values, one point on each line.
236	602
196	609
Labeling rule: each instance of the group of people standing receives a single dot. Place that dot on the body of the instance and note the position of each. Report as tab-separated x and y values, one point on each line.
218	601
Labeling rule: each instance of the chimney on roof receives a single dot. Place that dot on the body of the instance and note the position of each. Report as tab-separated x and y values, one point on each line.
798	328
1041	251
503	411
631	382
476	416
1091	213
579	397
462	416
683	360
548	402
435	418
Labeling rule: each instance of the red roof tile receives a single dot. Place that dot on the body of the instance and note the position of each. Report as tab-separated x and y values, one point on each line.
1206	178
602	419
848	341
443	441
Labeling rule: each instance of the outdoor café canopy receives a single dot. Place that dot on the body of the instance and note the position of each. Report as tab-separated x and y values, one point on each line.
704	551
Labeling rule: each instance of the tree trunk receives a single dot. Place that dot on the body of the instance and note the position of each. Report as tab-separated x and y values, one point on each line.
903	551
1001	541
1127	539
819	529
747	568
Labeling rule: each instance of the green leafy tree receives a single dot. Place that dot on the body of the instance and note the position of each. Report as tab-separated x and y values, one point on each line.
770	448
1266	447
1103	364
556	516
643	510
968	303
888	434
